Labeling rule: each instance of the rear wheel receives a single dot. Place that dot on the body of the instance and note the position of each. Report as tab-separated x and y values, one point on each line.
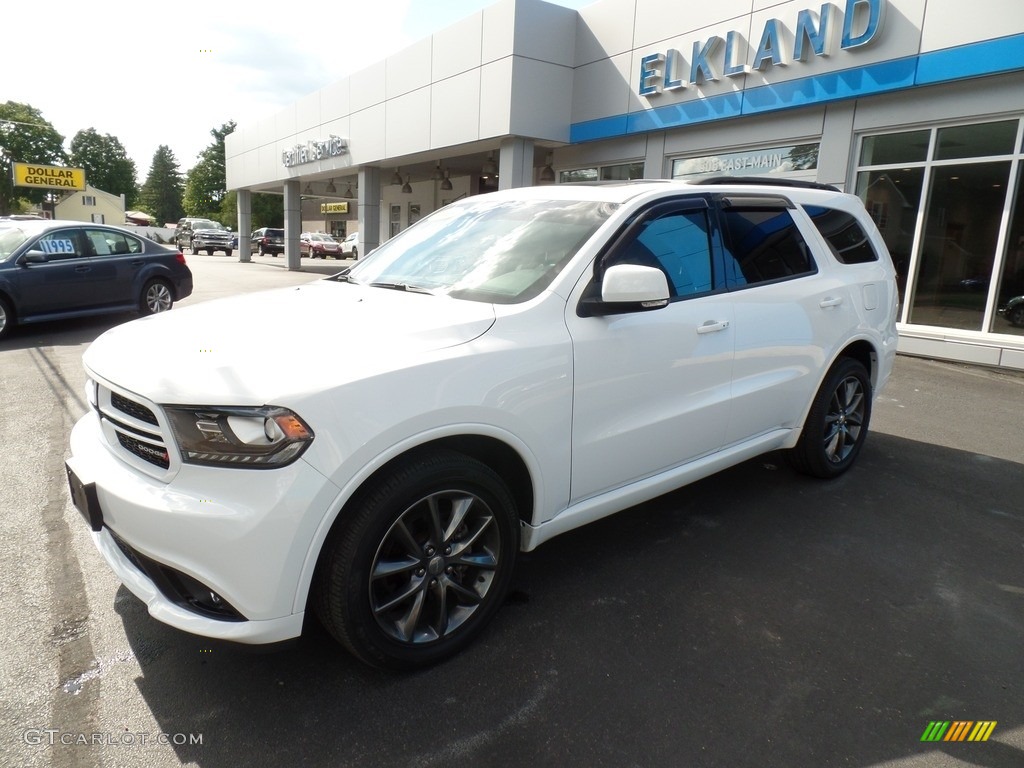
420	562
227	252
355	253
156	297
837	424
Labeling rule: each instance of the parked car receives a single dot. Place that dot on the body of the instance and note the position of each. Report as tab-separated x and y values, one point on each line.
526	362
52	269
350	246
317	245
187	225
268	240
212	237
1013	311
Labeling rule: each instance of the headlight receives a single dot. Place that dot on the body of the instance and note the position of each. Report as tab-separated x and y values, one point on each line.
260	438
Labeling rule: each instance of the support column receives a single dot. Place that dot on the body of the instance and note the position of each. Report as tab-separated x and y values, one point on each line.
292	224
515	163
369	208
244	197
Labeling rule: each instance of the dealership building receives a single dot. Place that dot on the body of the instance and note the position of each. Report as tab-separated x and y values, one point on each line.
917	106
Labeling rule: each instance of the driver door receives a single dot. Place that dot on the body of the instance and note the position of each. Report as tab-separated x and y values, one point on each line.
652	388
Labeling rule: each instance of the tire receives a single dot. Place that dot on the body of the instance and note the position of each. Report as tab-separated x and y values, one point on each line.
209	251
262	252
6	318
419	562
355	253
227	252
837	423
1016	316
156	297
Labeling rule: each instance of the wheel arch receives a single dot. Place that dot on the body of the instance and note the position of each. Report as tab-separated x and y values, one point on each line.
498	455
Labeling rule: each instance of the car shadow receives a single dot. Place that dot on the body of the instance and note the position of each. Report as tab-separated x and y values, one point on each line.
754	618
63	333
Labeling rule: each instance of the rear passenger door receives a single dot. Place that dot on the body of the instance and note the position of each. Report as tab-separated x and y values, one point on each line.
790	313
116	260
652	388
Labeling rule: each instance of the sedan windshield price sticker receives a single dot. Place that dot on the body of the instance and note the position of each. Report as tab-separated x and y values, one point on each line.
54	245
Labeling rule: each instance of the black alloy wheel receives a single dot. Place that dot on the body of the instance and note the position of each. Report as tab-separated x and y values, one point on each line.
420	562
837	423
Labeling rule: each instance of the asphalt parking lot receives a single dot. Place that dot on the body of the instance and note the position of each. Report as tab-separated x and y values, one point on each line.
756	618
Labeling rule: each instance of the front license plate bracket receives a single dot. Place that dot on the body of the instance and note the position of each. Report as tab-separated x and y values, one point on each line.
85	500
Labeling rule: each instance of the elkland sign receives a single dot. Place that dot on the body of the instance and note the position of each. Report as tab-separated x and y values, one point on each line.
814	34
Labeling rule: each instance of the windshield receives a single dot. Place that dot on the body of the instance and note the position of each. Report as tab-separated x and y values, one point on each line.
501	252
207	225
10	239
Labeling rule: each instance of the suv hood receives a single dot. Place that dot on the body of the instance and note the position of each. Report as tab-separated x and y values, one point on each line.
262	348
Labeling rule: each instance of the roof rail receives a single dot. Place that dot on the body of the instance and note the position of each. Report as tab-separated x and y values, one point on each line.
769	182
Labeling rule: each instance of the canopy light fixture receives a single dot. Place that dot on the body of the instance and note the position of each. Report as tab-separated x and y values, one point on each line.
407	188
331	189
396	180
446	185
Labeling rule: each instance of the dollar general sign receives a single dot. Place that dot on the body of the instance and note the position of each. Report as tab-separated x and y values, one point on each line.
48	176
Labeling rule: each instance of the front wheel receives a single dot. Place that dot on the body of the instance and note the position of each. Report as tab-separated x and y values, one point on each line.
420	562
355	253
837	424
156	297
6	318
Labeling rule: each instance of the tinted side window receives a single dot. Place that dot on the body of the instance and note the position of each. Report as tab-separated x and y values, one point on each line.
844	235
677	243
762	245
64	244
105	242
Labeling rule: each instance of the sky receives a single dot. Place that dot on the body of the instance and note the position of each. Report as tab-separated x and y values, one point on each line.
157	73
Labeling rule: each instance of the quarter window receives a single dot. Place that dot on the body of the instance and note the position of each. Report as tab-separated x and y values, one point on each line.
845	237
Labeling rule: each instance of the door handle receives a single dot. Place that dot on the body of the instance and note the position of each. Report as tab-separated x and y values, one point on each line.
138	263
712	326
831	301
82	269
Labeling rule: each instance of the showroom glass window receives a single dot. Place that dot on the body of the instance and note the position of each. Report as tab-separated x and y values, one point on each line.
942	199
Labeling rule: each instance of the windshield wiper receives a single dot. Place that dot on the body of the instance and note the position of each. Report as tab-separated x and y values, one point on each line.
404	287
345	277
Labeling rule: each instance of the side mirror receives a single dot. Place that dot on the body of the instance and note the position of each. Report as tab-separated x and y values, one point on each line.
628	288
33	257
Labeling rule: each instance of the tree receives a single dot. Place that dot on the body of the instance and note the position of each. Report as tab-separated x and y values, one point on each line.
162	192
106	163
25	137
267	210
206	184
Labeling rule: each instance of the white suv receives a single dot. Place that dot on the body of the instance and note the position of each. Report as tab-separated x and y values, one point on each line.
523	363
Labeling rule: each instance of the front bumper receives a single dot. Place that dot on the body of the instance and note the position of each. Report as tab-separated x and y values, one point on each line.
244	534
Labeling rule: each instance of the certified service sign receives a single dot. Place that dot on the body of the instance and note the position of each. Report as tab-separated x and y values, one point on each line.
48	176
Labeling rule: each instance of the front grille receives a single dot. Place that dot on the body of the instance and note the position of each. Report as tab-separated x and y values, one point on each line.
133	430
145	451
138	410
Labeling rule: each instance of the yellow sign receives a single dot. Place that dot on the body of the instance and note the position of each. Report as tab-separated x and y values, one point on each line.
48	176
333	207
